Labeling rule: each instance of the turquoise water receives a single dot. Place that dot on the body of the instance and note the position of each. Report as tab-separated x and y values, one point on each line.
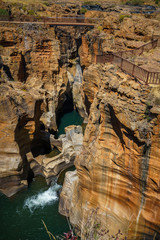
20	216
71	118
61	177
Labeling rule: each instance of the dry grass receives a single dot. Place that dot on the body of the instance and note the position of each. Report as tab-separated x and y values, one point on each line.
156	94
156	91
48	232
25	2
35	2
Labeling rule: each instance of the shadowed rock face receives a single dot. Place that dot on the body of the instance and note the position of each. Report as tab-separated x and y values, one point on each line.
118	168
35	83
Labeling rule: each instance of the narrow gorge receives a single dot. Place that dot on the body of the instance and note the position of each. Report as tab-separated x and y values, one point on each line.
61	110
41	94
31	108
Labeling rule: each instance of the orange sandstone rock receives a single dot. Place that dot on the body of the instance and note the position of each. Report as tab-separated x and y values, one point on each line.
118	168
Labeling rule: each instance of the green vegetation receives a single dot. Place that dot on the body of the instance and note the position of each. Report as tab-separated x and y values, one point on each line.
47	4
3	12
157	2
83	10
122	17
24	89
135	2
24	8
88	2
91	3
83	2
27	2
147	114
13	4
31	12
100	28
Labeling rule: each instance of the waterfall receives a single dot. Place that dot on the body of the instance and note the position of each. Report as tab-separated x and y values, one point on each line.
42	199
78	75
26	43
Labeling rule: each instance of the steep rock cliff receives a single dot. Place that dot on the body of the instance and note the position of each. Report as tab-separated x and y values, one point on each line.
39	72
118	169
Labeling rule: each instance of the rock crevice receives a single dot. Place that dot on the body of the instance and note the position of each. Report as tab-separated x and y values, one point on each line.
119	158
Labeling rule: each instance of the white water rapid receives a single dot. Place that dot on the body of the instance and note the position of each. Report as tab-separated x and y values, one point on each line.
42	199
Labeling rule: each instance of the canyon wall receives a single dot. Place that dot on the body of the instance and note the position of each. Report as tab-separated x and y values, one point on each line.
116	182
39	72
118	169
117	172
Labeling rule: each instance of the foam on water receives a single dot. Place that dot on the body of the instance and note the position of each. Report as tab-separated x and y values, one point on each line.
42	199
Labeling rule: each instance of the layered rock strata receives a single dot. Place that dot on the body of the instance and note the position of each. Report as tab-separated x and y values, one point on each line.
118	168
39	72
71	145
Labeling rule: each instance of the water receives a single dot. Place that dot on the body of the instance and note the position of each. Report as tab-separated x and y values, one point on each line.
20	215
61	176
42	199
53	153
71	118
79	74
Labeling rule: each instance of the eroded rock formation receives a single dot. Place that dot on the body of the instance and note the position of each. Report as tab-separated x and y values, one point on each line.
118	169
71	143
118	166
39	72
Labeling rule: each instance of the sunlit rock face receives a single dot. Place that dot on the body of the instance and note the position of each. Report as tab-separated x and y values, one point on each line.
118	168
19	128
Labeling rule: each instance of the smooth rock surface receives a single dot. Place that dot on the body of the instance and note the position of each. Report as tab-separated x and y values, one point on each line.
71	147
118	168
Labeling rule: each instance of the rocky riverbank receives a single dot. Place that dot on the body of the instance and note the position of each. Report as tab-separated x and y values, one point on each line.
40	79
46	71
